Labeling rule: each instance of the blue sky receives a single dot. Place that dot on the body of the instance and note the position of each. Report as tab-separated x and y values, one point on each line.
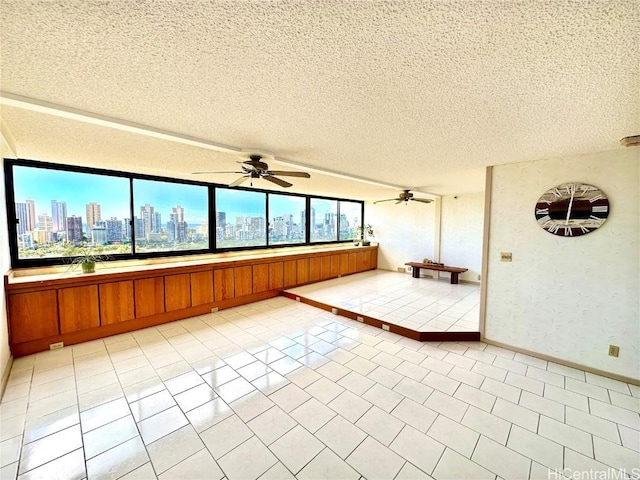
111	193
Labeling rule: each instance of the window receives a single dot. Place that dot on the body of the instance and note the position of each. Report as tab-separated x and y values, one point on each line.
350	219
59	213
170	216
241	218
287	219
324	220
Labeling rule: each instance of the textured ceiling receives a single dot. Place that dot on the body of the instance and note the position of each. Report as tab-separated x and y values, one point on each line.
415	93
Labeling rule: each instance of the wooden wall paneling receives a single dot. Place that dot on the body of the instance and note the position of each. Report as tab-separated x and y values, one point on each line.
325	268
335	266
260	278
223	287
149	295
177	292
116	302
276	275
344	264
201	288
78	308
290	273
243	279
32	315
315	269
302	270
353	262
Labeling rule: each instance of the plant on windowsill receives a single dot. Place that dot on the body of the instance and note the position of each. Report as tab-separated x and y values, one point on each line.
363	235
87	257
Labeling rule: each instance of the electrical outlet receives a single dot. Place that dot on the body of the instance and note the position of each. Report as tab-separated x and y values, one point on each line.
334	311
505	256
360	319
408	269
214	309
297	299
56	346
479	277
401	269
385	327
614	351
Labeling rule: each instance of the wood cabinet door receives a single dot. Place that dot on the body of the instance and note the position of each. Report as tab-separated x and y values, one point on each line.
177	292
363	260
353	262
116	302
315	269
223	284
32	315
201	288
260	278
325	268
149	295
243	278
344	264
335	266
302	271
276	275
373	263
78	308
290	274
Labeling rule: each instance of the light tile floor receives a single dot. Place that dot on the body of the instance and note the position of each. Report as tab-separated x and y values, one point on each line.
422	304
278	389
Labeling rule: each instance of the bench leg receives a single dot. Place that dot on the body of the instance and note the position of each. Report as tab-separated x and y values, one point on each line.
416	272
454	277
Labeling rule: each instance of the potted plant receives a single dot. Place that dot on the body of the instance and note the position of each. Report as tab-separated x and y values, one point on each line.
87	258
363	234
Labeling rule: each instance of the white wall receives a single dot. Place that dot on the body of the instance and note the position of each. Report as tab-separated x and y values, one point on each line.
461	232
567	297
5	265
406	232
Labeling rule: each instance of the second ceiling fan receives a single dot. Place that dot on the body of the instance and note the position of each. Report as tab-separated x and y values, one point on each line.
256	168
405	196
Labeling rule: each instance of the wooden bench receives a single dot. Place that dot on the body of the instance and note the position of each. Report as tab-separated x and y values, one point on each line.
454	271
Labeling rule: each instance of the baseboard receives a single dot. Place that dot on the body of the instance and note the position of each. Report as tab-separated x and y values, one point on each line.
566	363
5	376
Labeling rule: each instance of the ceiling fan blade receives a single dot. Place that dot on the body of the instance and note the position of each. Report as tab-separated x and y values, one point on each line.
238	181
277	181
284	173
422	200
387	200
200	173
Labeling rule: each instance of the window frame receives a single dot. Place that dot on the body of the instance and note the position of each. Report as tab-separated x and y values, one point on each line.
12	227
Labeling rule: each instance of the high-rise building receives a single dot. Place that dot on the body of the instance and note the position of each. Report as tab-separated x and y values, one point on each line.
21	216
74	229
44	222
157	223
221	219
178	210
138	228
99	234
58	215
176	226
147	217
31	215
93	214
114	230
